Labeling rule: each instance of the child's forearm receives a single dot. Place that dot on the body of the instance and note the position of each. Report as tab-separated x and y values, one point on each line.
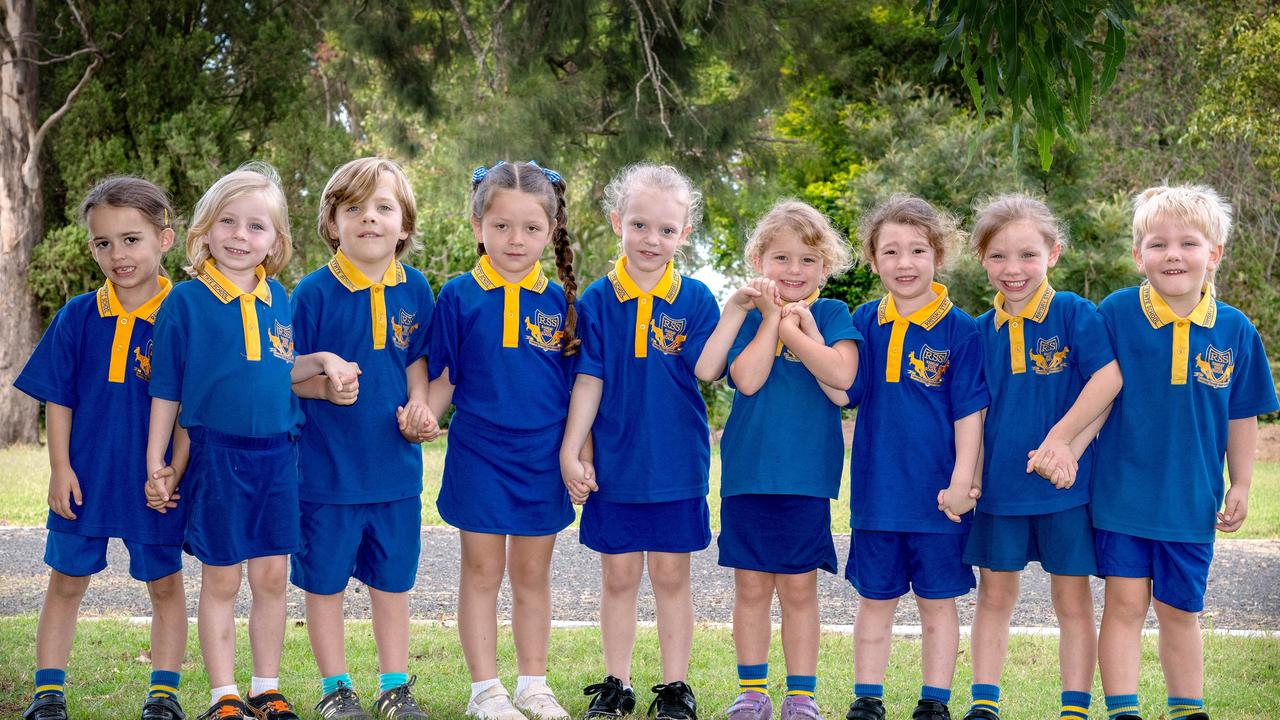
710	365
968	442
416	379
57	420
181	453
1094	398
310	365
440	394
834	365
164	415
751	368
839	397
313	388
584	403
1242	443
1080	442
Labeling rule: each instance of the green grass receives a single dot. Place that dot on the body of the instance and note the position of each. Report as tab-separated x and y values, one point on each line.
109	668
24	478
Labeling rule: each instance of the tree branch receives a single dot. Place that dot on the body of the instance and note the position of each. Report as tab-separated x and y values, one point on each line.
29	166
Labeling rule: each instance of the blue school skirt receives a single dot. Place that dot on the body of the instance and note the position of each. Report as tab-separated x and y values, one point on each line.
787	534
672	526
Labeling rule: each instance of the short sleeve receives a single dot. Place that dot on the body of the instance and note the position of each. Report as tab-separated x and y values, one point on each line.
1253	391
306	319
49	374
860	320
418	342
968	387
169	348
590	357
442	337
705	318
836	324
1090	337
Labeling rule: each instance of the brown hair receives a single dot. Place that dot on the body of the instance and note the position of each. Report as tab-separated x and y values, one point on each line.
997	213
939	228
128	191
356	181
249	178
813	229
548	187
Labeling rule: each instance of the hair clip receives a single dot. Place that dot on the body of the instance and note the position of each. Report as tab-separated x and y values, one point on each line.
479	173
550	174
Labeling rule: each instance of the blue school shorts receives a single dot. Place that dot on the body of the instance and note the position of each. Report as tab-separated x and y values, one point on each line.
375	543
1179	571
1062	542
884	565
78	556
786	534
672	526
244	496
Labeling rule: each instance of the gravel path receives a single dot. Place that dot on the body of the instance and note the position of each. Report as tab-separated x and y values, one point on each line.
1244	587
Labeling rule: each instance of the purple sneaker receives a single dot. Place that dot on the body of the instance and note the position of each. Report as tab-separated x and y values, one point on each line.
751	705
800	707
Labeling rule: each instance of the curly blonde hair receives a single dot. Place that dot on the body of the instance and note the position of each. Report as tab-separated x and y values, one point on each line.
812	227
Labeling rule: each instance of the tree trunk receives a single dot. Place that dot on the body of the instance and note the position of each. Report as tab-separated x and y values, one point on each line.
21	215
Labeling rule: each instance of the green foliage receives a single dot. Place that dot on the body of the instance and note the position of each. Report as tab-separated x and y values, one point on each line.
1242	99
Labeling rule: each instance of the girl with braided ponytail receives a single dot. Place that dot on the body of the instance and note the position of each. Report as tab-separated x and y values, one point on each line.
499	350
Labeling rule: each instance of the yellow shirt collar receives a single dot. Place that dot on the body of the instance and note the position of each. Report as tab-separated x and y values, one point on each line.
109	305
625	287
926	317
1159	314
226	291
1036	309
353	279
488	278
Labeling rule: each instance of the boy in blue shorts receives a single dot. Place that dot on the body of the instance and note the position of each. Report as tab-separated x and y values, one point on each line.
360	464
1195	379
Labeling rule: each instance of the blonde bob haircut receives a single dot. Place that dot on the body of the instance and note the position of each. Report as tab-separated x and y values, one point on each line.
812	227
940	228
1197	205
997	213
355	182
250	178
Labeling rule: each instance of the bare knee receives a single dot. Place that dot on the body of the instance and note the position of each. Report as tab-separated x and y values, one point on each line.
798	593
67	588
483	571
220	583
936	614
753	588
668	577
1073	601
167	590
620	576
1171	618
268	576
998	591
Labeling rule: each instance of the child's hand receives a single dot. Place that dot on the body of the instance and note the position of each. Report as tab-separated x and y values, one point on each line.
579	479
344	382
955	501
1054	462
745	296
803	316
768	302
1234	510
417	423
64	488
161	489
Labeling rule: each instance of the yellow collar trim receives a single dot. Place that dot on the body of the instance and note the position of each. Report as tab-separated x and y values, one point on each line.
625	288
226	291
808	302
1036	309
353	279
490	279
1159	314
926	317
109	306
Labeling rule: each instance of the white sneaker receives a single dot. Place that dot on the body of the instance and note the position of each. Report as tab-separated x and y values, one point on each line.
494	704
537	701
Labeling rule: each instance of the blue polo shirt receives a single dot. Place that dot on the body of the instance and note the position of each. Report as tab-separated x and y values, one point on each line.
226	355
1160	454
1035	365
917	375
786	438
382	327
651	438
95	359
501	343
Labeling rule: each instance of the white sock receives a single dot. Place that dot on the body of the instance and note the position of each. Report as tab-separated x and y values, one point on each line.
218	693
479	687
258	685
524	681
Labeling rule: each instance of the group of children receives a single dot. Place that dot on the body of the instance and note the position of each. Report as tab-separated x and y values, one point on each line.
283	431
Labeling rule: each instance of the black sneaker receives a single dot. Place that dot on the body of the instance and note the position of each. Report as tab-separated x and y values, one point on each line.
162	707
341	703
980	713
398	703
930	710
674	701
611	699
1197	716
47	707
272	706
866	708
230	707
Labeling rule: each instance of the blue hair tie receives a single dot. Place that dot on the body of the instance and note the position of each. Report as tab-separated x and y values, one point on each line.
550	174
479	173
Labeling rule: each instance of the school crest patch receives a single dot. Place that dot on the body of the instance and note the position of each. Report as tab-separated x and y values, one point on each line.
142	368
282	341
544	330
668	334
1214	366
929	366
1050	358
402	328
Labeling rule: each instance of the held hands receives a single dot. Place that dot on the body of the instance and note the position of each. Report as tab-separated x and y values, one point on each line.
417	423
1054	462
799	316
579	478
162	489
1234	510
344	381
64	488
955	500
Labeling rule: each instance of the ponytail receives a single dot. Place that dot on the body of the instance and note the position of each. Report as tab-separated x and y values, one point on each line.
564	269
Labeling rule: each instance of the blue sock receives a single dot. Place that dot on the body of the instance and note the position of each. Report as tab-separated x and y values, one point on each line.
753	678
802	685
1180	707
1075	705
1118	705
929	692
986	697
331	683
164	683
50	681
386	681
868	690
